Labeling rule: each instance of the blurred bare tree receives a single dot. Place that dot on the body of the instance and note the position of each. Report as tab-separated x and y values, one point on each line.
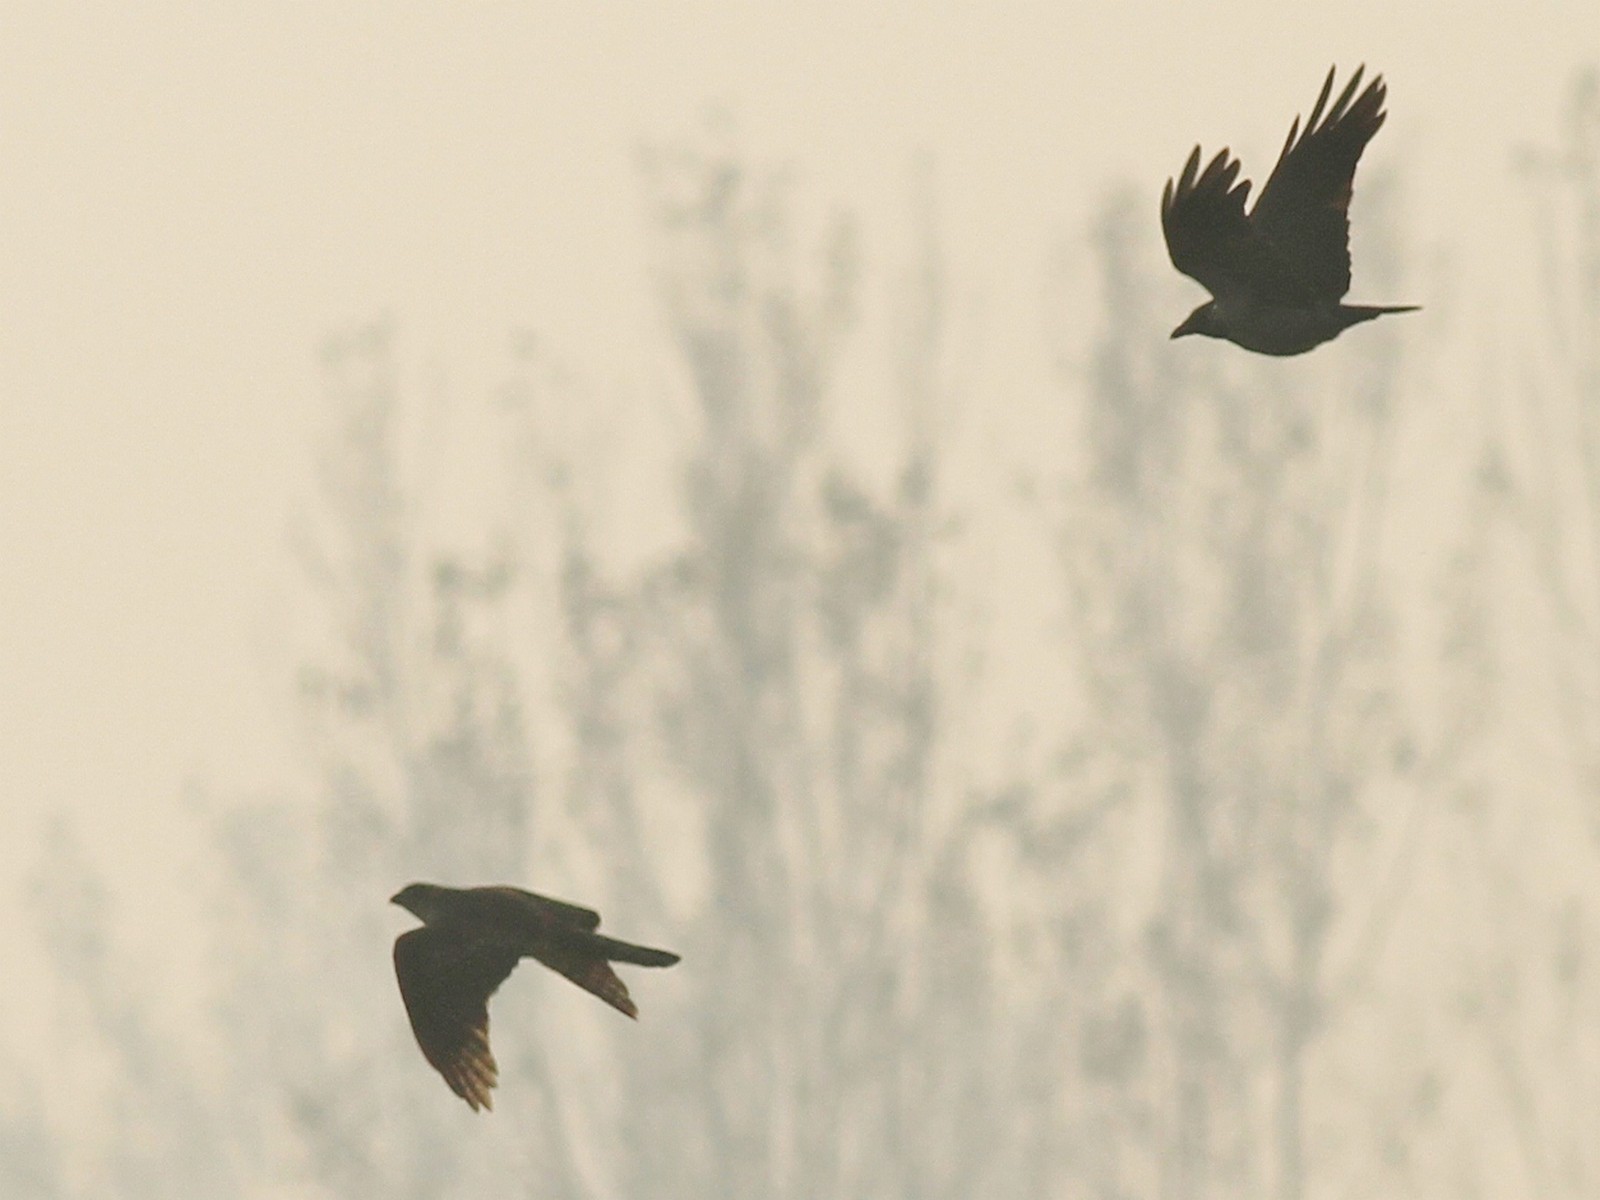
422	769
1112	979
161	1131
1237	642
1557	494
834	1040
1532	993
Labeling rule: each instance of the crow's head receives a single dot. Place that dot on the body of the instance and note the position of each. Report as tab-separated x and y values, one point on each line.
1202	320
424	900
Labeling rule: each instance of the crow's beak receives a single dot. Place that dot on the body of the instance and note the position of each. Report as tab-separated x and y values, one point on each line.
1195	322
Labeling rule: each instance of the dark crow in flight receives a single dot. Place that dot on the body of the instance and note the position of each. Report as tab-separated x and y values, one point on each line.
1277	276
469	942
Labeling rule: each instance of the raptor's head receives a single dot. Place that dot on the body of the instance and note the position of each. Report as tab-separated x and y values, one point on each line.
424	900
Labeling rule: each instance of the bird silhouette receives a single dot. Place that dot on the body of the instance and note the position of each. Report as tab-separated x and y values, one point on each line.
1277	276
470	940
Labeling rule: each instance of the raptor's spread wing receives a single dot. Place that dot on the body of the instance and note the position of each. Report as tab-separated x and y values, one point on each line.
446	983
1212	241
546	909
1303	211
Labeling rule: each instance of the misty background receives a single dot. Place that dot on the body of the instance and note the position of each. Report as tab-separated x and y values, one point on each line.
725	465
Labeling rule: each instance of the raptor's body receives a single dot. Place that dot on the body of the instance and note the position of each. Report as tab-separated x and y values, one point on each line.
470	941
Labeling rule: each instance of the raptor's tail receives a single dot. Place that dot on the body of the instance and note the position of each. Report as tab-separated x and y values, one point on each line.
593	973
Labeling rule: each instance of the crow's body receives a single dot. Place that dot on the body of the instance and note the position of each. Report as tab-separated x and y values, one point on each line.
470	940
1278	275
1269	328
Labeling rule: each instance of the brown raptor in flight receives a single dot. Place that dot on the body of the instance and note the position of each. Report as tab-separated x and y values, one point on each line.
470	940
1277	276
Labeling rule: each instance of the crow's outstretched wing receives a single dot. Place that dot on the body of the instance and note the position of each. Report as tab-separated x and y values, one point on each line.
1304	209
1212	241
446	982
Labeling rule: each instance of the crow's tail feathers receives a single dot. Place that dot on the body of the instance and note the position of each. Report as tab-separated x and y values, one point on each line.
627	952
1354	314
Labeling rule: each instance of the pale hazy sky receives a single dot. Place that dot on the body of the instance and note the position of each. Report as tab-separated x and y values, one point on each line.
193	196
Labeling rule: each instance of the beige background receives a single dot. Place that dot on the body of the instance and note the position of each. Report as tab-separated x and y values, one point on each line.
192	197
